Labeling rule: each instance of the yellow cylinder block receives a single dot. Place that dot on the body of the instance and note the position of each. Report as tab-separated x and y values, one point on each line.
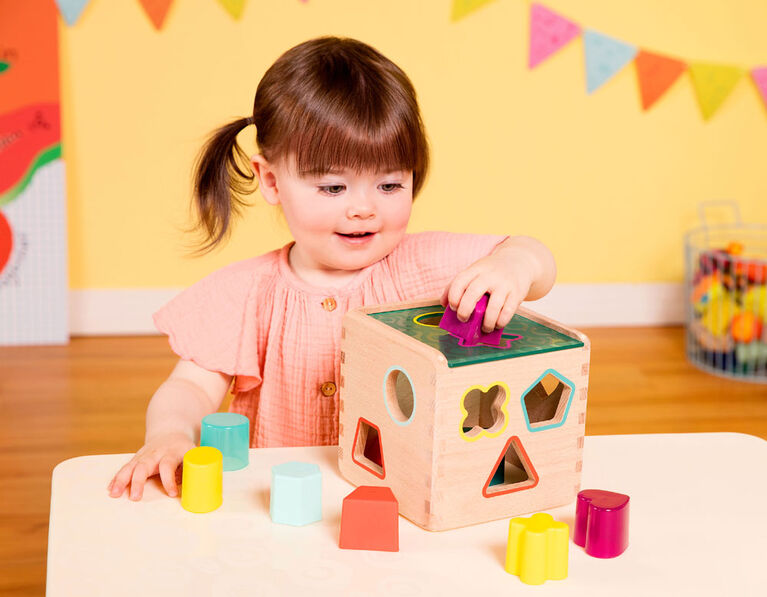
202	483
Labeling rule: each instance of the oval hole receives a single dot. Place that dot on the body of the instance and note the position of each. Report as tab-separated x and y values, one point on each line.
400	396
430	320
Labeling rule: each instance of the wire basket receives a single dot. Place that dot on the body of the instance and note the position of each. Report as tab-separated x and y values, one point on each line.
726	295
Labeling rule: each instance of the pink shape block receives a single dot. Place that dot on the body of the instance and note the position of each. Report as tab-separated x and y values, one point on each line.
549	32
469	333
602	523
759	75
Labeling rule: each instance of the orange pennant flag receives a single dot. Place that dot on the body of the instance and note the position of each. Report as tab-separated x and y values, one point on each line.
656	74
156	10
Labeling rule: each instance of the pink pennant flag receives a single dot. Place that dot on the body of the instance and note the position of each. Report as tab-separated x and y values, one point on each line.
549	32
759	75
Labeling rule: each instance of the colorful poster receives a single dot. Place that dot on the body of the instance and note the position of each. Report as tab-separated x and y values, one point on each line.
33	247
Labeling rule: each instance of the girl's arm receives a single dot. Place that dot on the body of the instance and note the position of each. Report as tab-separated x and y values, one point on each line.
520	268
173	420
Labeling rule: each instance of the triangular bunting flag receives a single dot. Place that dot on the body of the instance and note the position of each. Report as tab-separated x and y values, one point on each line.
71	9
656	74
759	75
605	56
463	7
549	32
156	10
233	7
713	83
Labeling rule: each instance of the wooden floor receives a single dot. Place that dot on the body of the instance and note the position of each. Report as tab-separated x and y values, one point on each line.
89	398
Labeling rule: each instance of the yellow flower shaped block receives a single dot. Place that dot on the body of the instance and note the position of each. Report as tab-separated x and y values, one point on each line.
537	549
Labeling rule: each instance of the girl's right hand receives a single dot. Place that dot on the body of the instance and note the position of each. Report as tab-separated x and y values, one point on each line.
160	455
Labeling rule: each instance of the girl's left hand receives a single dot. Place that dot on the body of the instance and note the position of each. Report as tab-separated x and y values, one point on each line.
506	275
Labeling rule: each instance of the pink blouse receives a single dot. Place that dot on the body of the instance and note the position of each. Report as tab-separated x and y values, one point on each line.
280	336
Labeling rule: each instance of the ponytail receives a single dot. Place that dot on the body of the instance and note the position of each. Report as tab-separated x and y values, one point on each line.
220	181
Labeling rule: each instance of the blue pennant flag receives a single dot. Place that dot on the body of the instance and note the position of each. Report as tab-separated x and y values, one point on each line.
605	56
71	9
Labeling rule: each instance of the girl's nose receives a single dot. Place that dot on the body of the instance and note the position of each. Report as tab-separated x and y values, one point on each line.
360	207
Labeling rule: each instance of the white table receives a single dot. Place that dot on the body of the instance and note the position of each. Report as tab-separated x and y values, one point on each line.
698	527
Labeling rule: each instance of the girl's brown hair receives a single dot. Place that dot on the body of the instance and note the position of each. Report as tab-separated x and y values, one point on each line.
325	104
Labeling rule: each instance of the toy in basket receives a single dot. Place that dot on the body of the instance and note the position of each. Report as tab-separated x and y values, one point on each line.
727	289
462	434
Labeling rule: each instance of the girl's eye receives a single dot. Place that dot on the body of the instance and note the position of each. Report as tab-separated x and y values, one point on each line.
390	187
332	189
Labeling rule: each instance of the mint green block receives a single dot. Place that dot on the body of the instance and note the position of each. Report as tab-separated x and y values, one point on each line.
230	434
296	495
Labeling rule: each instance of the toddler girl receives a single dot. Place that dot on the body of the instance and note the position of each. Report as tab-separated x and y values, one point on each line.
343	152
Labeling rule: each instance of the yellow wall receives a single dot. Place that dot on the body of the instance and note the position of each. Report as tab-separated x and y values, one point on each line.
611	189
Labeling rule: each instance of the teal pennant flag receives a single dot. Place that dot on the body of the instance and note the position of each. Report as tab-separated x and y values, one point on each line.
605	56
71	9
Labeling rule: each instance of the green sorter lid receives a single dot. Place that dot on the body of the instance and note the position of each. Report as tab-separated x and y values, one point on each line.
422	324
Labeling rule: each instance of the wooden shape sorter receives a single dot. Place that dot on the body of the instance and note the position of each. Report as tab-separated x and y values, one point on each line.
462	435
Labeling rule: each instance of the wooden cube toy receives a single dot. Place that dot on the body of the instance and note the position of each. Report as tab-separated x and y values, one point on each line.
462	435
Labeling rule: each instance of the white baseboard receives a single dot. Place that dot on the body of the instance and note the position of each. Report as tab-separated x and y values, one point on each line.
584	305
116	312
129	312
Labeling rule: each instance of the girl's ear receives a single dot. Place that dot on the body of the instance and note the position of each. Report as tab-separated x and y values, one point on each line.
267	180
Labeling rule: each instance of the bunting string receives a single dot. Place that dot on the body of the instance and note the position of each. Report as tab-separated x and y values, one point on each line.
656	73
605	56
156	10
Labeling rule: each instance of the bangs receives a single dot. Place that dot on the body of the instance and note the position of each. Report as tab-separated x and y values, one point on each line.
319	147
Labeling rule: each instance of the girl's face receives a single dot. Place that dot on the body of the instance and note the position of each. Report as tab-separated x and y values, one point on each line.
341	221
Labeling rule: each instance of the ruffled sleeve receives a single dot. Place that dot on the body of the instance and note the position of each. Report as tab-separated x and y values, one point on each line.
428	261
213	322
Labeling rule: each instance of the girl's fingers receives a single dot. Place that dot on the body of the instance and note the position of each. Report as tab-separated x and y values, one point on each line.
493	311
141	473
458	289
168	466
509	308
120	480
474	291
443	299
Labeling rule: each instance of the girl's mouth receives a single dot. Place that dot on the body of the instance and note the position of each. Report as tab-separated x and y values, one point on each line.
356	237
